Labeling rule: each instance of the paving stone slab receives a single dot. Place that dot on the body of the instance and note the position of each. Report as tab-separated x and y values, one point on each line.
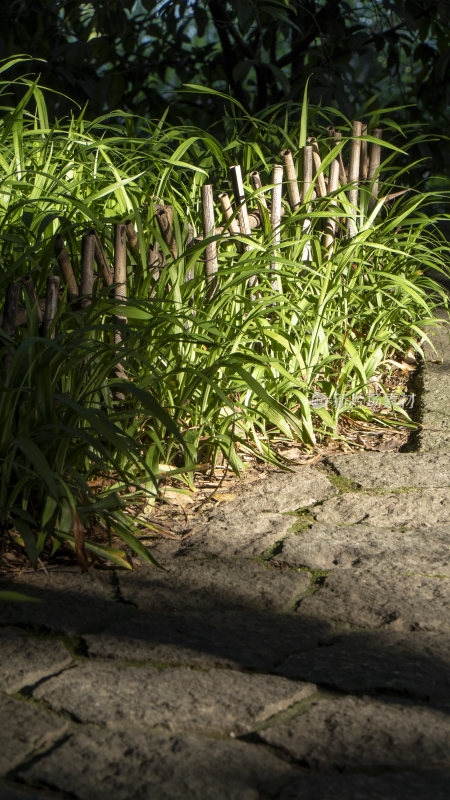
422	507
326	547
192	583
391	470
254	521
238	638
24	729
435	433
72	601
24	660
436	384
440	339
136	766
416	663
382	598
178	698
359	733
430	785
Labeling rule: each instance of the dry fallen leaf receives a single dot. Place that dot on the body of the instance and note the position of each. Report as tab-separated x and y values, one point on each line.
223	497
175	498
291	453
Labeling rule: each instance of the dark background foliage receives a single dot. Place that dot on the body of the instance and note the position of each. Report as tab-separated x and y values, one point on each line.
136	54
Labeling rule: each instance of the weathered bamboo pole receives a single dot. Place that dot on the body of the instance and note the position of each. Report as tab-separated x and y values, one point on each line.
364	166
307	170
232	223
263	210
209	230
28	285
155	260
120	270
306	185
87	268
374	164
275	217
232	227
292	184
164	218
330	224
189	240
191	235
317	161
102	261
65	266
261	201
253	219
337	136
132	235
353	175
51	304
239	199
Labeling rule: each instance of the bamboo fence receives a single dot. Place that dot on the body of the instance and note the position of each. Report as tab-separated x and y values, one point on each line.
304	187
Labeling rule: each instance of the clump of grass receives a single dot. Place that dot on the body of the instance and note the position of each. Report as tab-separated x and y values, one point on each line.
204	371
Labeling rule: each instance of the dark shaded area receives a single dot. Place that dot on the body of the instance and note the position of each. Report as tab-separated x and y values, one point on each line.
406	668
136	56
414	664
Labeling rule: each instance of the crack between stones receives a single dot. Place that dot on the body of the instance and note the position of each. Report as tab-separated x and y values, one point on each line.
39	702
26	692
34	758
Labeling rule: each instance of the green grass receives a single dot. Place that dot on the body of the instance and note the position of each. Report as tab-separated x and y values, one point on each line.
205	373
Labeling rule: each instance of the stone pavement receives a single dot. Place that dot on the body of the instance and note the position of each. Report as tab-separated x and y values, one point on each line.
296	648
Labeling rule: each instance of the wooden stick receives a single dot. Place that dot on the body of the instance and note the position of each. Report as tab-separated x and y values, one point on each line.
156	260
102	261
51	305
65	266
164	218
307	181
307	170
364	166
209	230
353	175
261	203
132	235
330	224
374	164
87	268
337	136
28	285
191	235
239	199
317	161
292	185
232	227
261	200
275	215
190	238
228	211
9	320
275	212
120	270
